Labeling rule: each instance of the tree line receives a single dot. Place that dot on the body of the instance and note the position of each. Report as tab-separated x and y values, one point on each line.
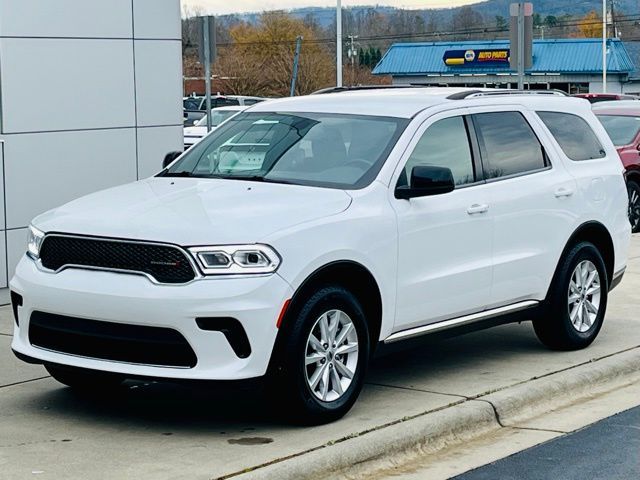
255	55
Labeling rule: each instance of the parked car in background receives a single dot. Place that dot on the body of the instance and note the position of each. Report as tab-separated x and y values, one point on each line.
195	106
195	133
301	233
622	123
604	97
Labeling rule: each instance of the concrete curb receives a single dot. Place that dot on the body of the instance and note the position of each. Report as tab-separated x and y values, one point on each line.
431	431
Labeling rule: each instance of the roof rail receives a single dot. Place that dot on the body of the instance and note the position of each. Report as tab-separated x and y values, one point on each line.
360	87
500	92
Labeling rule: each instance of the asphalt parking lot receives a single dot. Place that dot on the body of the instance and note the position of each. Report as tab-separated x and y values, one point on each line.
177	431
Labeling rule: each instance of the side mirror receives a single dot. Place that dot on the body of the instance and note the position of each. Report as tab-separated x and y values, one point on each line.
169	158
427	181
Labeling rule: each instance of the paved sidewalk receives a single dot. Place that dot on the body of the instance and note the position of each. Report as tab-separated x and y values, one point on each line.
158	431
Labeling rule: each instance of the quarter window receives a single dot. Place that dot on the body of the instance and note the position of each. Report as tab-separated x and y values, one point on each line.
574	135
444	144
508	144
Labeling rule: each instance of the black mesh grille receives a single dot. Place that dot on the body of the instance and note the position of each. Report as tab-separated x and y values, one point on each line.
164	263
111	341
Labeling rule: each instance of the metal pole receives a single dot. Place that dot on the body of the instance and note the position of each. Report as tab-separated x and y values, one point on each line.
520	46
207	69
296	60
604	46
339	44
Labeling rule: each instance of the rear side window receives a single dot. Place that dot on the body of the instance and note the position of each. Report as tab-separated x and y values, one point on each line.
508	144
574	135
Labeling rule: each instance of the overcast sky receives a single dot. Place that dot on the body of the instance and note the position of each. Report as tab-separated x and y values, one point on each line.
220	7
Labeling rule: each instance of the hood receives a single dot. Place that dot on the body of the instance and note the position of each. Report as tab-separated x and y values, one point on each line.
195	131
190	211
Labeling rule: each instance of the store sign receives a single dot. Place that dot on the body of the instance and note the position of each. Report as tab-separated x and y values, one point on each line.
476	58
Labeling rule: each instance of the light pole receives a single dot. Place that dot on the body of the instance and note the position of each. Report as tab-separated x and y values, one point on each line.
604	46
339	44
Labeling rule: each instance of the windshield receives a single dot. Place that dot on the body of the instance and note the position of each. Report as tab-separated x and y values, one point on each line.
319	149
217	117
621	128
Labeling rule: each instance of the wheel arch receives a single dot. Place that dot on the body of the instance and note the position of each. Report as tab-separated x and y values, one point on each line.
349	274
597	234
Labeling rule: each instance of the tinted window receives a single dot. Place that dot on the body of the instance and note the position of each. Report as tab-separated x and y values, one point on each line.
329	150
444	144
574	135
191	103
621	128
509	146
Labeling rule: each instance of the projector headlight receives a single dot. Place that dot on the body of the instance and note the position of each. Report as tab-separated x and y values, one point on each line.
34	240
236	259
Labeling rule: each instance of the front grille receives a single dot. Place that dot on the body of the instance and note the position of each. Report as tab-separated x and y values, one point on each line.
110	341
165	263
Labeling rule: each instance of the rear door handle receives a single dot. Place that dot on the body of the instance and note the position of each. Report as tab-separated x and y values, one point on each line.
563	192
477	208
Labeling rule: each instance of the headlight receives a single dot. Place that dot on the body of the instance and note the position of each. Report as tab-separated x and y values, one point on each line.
236	259
34	241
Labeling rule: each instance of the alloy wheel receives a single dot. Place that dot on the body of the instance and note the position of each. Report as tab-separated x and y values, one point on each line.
584	296
331	355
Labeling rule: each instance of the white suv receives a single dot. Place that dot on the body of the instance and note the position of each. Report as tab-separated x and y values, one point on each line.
304	231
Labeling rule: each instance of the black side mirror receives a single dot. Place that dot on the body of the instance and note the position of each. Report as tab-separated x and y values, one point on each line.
169	158
427	181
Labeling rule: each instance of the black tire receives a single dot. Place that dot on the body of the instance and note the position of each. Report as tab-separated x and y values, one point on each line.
289	390
554	326
89	381
634	205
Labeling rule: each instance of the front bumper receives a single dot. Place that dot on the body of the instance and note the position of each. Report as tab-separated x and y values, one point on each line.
255	301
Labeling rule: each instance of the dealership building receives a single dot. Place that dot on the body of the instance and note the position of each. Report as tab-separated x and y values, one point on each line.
572	65
90	98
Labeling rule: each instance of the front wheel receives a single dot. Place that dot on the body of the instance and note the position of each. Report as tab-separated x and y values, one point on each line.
634	206
323	358
577	301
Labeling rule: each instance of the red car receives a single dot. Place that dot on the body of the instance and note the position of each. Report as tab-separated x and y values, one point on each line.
604	97
623	125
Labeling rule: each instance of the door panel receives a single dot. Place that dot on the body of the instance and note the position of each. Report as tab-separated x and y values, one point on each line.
444	258
533	201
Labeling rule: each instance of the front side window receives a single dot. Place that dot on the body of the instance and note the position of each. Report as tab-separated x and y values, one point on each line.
622	129
574	135
443	144
317	149
508	144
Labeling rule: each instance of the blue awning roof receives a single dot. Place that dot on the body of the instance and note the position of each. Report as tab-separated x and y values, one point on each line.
563	56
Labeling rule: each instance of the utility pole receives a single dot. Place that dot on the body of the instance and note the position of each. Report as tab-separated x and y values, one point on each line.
604	46
339	44
207	56
353	53
296	62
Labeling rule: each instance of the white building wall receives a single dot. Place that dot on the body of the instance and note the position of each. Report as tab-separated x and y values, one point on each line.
90	97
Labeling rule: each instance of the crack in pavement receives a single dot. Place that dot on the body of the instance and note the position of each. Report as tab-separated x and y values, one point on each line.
413	389
24	381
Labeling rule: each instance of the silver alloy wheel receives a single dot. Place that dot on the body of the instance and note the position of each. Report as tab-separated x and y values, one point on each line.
584	296
331	355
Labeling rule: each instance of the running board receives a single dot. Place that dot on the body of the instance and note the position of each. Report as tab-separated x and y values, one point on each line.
460	321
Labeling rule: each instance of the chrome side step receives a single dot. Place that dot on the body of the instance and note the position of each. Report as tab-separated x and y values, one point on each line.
457	322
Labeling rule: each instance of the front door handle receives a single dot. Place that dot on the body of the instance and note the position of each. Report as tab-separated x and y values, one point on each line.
477	208
563	192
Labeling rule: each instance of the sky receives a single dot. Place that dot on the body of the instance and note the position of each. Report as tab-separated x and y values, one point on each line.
222	7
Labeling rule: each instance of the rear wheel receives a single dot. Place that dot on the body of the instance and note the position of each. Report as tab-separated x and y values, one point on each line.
577	301
85	380
322	361
634	205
